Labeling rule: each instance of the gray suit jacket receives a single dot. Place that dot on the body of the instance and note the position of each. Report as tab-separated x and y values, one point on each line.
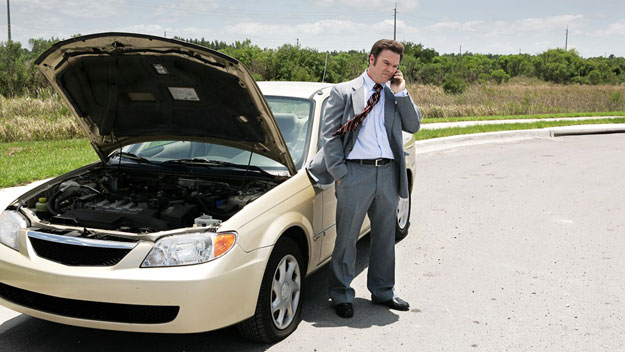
346	101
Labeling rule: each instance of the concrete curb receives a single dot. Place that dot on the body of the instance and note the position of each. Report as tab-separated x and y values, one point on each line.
444	143
440	125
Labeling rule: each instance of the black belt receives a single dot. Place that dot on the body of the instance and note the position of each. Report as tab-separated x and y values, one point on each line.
374	162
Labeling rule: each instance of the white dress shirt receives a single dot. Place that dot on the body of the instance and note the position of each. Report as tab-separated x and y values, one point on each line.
372	141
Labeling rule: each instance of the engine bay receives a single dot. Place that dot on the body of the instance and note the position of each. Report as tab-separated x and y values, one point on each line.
144	202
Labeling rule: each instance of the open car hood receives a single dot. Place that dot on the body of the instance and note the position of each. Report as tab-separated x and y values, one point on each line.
128	88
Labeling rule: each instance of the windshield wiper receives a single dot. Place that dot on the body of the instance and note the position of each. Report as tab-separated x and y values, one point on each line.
189	161
131	156
216	163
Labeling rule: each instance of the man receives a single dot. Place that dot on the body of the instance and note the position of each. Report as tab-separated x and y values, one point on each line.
363	155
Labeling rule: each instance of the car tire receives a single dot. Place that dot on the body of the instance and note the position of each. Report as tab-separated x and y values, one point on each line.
402	218
279	305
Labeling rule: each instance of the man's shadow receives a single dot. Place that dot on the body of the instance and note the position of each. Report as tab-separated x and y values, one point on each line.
318	309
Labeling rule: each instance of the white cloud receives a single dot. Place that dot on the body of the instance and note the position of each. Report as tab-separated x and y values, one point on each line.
402	5
545	24
185	7
251	28
471	26
525	25
71	8
617	28
386	26
332	27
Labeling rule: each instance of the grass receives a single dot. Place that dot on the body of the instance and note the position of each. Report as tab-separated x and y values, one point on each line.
453	131
24	162
47	117
39	138
521	96
522	117
43	118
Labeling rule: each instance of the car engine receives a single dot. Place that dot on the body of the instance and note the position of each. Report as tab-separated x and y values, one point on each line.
143	202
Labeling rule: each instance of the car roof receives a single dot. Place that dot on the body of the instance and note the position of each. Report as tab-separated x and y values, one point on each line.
291	89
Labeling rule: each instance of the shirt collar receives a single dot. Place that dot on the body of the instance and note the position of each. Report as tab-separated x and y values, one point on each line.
369	83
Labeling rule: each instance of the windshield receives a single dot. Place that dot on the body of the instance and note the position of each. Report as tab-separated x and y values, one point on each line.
293	116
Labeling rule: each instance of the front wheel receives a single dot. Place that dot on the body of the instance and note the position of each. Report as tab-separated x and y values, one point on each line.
403	218
279	307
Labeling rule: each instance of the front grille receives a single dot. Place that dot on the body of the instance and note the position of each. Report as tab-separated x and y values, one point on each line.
77	252
112	312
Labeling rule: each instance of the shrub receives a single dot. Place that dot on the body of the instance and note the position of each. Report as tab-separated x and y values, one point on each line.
594	77
500	76
454	85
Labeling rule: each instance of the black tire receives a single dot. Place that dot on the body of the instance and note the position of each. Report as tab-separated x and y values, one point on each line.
402	231
264	326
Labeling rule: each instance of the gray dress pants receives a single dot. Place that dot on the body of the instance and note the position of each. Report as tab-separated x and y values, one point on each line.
372	190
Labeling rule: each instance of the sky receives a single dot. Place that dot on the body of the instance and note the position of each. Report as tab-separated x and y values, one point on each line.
595	28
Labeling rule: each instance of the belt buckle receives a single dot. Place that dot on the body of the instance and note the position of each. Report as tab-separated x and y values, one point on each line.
378	161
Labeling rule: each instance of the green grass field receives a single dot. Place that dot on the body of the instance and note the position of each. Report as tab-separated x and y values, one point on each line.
24	162
453	131
523	117
39	138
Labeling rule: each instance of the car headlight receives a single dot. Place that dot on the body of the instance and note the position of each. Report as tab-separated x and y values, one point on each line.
189	249
10	222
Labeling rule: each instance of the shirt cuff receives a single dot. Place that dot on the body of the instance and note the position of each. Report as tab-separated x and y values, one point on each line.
403	93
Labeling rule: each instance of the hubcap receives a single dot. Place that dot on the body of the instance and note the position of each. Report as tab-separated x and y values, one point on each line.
403	211
285	292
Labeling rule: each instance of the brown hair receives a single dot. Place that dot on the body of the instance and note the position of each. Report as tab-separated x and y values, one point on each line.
387	44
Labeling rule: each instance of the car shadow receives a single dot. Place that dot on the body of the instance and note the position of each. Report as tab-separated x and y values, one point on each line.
24	333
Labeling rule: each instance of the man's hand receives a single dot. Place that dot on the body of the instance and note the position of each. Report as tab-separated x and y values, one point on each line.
398	83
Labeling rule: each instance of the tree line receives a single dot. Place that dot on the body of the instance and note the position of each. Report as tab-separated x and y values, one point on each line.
454	72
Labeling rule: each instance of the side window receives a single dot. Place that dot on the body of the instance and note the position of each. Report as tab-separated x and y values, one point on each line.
320	140
294	118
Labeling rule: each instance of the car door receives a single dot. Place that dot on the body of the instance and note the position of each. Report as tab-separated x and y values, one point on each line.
325	207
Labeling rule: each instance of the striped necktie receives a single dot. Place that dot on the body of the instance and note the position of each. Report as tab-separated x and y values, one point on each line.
358	119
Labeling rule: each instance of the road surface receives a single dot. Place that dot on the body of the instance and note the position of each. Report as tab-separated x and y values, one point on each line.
513	247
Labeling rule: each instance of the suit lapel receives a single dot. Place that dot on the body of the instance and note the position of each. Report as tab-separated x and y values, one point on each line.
389	111
358	100
358	103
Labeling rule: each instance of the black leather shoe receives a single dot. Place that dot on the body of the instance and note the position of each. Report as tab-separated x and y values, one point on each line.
395	303
344	310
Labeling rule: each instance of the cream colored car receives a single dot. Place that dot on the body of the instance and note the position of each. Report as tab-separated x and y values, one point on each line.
200	213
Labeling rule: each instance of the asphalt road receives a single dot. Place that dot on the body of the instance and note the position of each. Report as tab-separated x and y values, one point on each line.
513	247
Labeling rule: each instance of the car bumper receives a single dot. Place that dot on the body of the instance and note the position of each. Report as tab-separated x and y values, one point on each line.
208	296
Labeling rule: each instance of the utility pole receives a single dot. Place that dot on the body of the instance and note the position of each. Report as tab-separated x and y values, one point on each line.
325	65
9	19
394	22
297	42
566	40
460	53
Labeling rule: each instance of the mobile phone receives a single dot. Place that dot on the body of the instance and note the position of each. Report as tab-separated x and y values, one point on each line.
393	77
